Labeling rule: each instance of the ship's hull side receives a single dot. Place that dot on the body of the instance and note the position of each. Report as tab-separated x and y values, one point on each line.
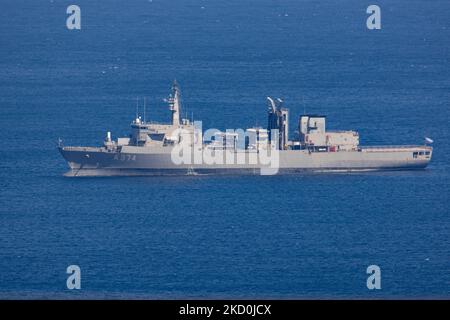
101	162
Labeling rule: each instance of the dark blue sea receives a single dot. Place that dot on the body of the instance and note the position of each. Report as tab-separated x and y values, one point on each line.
287	236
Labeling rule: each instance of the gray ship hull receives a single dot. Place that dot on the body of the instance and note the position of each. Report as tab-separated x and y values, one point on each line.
86	161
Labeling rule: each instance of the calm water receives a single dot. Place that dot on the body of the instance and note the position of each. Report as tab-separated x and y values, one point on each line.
296	236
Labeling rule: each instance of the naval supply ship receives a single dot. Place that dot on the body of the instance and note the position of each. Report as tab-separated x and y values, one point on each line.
181	147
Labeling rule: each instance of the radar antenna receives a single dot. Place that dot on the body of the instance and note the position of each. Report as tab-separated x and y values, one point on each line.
175	104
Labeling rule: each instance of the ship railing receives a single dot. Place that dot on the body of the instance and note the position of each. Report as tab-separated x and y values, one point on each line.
83	148
394	148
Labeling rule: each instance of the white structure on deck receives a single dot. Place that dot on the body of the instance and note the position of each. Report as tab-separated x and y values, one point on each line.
258	139
313	134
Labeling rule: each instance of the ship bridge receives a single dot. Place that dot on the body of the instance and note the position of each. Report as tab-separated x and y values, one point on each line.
149	133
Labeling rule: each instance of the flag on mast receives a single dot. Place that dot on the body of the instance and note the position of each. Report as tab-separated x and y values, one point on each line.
428	140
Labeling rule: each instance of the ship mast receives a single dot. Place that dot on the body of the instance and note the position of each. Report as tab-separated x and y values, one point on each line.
175	104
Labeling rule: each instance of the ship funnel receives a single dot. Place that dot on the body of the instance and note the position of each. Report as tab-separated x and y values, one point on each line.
278	119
